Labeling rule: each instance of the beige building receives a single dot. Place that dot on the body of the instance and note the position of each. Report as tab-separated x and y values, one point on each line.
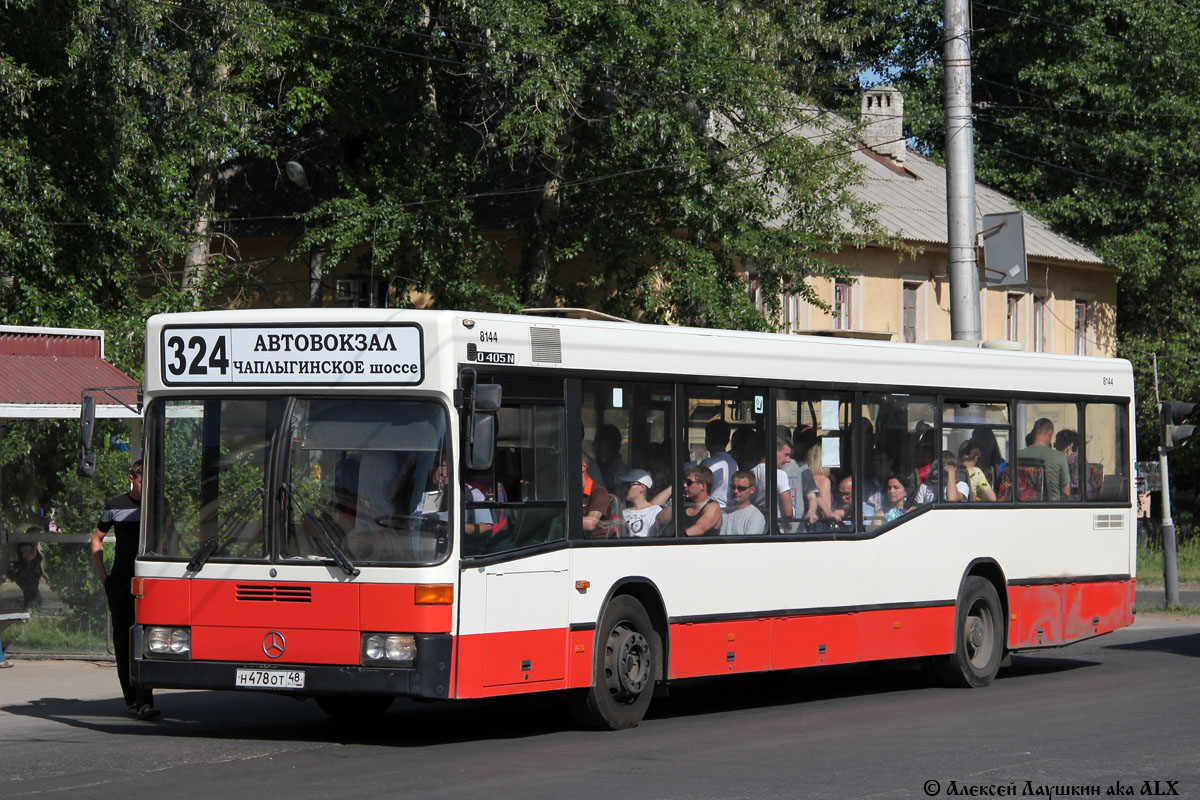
1068	305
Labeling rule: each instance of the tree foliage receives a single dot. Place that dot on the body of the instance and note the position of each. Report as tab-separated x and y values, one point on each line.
1083	114
492	155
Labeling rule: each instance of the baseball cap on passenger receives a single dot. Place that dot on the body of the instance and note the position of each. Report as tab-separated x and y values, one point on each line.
638	476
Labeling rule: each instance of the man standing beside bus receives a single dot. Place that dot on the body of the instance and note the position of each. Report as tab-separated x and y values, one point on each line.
123	515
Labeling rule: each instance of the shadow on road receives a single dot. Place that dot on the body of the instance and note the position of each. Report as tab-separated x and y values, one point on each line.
1188	645
242	716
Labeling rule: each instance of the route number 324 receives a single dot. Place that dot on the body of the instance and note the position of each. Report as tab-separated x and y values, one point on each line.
196	355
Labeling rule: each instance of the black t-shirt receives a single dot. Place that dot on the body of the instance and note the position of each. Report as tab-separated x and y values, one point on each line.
123	515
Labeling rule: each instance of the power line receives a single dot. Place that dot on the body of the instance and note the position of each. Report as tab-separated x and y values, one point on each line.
1091	34
1061	168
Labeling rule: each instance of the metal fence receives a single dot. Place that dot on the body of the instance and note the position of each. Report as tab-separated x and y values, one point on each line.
50	576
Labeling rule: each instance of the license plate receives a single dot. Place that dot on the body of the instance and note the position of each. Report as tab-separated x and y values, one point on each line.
270	678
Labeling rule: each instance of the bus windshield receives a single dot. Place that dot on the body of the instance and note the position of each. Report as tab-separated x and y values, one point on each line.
363	480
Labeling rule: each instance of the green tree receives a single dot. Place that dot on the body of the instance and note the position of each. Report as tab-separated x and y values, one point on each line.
1082	114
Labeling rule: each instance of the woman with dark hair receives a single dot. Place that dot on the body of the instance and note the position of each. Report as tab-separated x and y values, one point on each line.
896	490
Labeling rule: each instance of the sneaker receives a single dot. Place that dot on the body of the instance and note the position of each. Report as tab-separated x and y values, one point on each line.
6	664
147	712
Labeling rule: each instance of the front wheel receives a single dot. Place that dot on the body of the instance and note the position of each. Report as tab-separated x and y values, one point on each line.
978	637
625	669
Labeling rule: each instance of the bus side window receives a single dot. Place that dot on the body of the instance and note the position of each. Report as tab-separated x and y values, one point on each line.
1105	454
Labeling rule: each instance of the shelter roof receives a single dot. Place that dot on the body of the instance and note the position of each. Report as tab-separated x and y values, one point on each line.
43	372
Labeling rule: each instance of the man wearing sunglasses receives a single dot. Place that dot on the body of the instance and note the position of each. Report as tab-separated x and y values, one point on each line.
702	515
741	517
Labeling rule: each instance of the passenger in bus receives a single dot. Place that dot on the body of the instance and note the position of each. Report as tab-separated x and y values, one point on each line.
1066	442
702	515
977	483
953	489
842	517
820	505
991	459
1057	471
490	525
923	452
801	485
608	462
640	515
596	501
744	448
740	517
882	465
896	491
722	465
783	505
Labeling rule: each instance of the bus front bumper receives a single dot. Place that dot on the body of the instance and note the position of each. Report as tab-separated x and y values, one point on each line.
429	677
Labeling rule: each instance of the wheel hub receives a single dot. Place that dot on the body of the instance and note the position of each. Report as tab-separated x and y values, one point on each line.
975	632
632	663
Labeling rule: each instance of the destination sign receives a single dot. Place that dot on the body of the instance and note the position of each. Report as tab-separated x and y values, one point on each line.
357	354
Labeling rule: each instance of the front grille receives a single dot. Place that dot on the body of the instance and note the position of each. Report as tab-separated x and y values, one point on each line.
281	593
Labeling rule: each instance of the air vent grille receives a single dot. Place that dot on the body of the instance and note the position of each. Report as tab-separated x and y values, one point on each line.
1103	522
277	593
546	344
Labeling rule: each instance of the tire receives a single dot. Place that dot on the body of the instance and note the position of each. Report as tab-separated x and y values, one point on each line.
628	655
354	707
978	638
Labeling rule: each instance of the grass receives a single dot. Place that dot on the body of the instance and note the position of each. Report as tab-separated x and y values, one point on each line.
1150	565
51	634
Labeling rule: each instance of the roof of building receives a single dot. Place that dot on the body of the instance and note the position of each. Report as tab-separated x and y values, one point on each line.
910	202
44	370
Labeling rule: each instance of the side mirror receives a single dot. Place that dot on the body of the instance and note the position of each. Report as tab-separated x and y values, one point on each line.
87	425
483	442
485	397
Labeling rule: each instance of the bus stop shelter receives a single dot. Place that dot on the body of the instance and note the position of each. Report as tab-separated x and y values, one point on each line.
44	373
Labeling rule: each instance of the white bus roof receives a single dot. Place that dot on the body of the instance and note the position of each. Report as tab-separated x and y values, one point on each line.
454	338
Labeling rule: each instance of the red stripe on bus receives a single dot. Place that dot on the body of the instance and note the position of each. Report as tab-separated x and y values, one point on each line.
386	608
165	602
718	648
249	645
1053	614
391	608
512	662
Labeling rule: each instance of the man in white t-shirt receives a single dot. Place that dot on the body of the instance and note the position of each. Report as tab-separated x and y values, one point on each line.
719	462
783	453
639	514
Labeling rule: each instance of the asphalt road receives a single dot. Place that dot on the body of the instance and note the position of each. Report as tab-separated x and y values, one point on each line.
1113	712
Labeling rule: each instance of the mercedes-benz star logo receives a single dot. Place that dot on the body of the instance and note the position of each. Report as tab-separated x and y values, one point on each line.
274	644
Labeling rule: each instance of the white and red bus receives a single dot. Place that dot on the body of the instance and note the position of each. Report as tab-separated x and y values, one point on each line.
356	504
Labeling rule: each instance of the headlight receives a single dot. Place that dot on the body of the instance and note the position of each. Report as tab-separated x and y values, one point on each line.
389	648
162	640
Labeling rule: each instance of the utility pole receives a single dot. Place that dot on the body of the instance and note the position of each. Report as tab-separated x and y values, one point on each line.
960	172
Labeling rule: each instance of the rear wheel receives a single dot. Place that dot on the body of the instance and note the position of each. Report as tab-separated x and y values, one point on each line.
354	706
624	673
978	637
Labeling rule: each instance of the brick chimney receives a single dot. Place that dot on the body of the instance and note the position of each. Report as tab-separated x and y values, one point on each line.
883	122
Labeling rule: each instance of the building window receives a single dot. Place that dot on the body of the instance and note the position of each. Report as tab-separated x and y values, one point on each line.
1039	324
1081	324
1012	330
841	305
910	311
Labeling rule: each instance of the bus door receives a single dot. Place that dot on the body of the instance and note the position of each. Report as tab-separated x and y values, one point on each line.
515	583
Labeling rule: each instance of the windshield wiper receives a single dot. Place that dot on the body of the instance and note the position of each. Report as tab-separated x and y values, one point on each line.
326	541
235	518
